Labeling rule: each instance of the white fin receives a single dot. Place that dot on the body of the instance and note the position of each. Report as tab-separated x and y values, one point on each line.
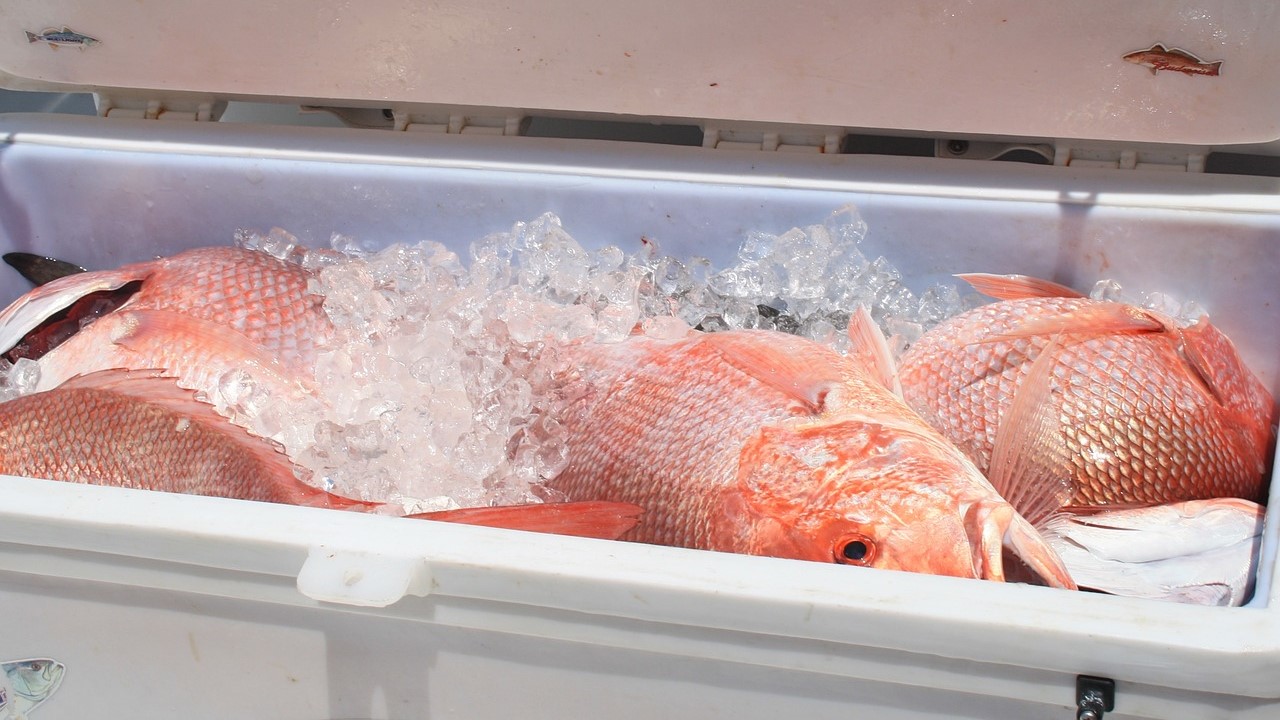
868	346
31	310
1030	464
1200	551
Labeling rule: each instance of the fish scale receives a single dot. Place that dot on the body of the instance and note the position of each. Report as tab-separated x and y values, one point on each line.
1141	425
251	292
207	316
763	443
646	417
106	432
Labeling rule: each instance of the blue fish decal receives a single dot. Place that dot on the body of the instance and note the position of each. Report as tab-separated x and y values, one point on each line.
26	684
66	36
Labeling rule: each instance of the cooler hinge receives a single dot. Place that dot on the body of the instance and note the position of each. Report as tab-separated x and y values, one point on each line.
1065	154
772	141
454	123
429	120
1129	158
195	109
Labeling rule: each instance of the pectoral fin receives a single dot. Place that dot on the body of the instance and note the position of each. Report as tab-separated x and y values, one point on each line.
1030	463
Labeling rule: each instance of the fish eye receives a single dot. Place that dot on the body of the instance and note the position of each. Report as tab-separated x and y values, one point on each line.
855	549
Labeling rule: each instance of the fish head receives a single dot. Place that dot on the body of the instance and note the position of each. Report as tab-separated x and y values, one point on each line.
32	681
878	495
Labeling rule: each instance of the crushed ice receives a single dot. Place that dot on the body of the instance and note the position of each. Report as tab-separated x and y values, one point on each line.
1184	313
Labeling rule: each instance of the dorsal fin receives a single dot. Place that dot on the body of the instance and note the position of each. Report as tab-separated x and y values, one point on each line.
1016	287
1030	463
800	368
868	346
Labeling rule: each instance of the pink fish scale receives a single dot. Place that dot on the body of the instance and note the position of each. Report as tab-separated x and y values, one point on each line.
1139	424
257	295
634	426
148	452
1121	430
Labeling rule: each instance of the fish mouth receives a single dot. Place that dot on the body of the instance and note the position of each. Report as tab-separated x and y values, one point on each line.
1007	548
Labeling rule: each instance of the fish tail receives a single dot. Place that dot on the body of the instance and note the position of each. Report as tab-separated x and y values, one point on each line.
595	519
1213	68
32	37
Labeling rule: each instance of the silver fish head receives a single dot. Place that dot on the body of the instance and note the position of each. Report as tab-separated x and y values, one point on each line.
26	684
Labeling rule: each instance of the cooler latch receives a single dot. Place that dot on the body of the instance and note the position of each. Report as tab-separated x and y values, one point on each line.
1095	697
771	140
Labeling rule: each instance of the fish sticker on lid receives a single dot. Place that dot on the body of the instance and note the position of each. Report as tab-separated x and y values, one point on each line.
26	684
65	37
1158	57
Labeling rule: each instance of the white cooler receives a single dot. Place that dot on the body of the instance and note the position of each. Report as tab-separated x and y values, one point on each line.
171	606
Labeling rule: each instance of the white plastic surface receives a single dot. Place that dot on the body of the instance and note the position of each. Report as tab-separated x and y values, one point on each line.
196	602
952	67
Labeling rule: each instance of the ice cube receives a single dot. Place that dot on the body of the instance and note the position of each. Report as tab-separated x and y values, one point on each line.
1108	290
671	277
24	376
665	328
614	323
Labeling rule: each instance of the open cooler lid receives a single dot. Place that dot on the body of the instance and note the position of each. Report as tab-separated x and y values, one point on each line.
999	68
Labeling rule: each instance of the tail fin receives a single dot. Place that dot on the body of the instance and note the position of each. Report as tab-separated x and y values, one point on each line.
595	519
32	37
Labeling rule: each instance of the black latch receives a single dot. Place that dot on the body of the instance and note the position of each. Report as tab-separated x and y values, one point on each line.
1094	697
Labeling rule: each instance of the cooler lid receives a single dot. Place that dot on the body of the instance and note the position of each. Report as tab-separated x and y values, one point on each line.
997	68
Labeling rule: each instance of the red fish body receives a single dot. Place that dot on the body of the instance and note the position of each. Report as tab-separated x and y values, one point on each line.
140	430
1119	404
216	309
764	443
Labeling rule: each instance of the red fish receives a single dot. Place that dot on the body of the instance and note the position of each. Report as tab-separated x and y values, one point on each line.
139	430
1105	403
764	443
210	309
